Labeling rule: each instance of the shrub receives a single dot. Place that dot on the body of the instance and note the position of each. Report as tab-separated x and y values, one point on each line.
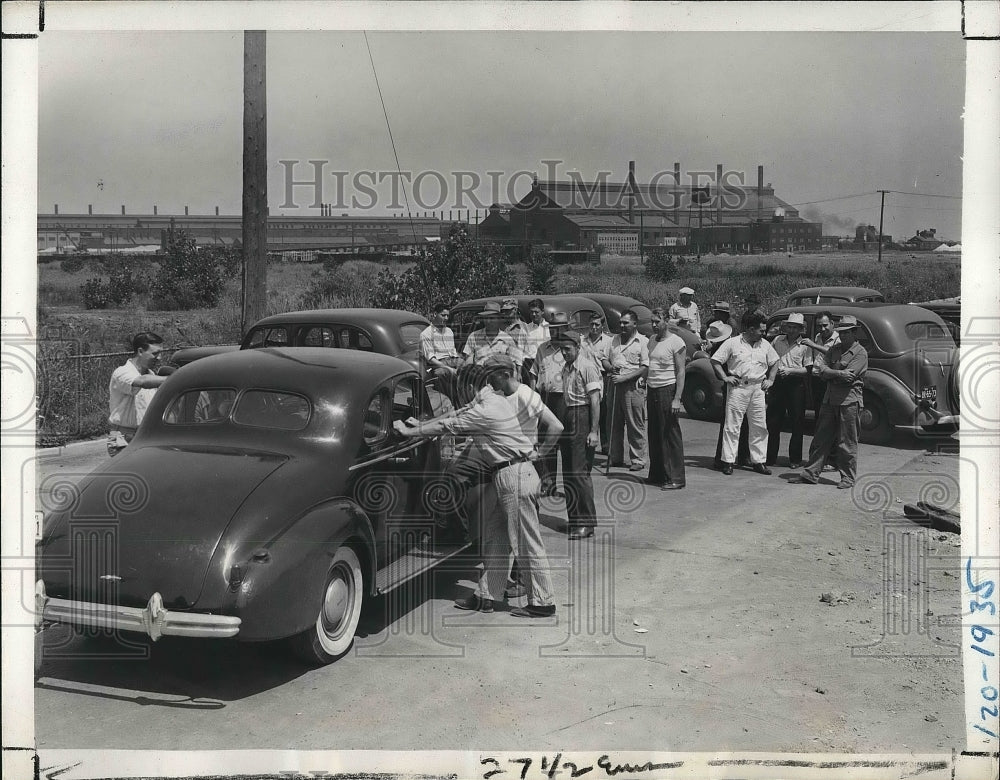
541	270
74	263
96	294
187	279
454	269
661	266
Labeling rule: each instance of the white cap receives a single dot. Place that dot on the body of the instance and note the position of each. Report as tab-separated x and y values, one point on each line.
687	290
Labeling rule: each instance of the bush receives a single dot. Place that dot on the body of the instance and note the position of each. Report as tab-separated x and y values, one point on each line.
96	294
454	269
228	257
541	270
661	266
345	284
187	279
74	263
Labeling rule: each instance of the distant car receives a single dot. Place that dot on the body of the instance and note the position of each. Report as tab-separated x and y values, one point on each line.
816	295
911	382
265	496
950	311
614	306
385	331
465	319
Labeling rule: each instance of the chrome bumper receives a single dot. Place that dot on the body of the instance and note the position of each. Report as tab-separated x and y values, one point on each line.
152	620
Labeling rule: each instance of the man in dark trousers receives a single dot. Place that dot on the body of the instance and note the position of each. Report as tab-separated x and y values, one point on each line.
843	367
787	399
546	380
582	388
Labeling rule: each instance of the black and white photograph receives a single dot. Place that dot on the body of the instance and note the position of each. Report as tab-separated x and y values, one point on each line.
503	390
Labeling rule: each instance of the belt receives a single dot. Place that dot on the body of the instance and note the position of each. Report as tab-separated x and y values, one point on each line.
494	468
747	382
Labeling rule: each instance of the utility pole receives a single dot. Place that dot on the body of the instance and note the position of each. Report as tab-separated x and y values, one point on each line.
254	177
881	215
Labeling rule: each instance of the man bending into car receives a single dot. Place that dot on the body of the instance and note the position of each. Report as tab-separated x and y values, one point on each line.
131	389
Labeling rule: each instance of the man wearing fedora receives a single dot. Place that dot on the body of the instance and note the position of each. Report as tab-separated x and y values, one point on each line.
843	368
790	391
715	335
685	312
545	378
491	339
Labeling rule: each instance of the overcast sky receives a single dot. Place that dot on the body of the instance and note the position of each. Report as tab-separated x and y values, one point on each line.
156	118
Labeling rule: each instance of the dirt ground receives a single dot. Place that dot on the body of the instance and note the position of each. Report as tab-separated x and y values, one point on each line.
742	613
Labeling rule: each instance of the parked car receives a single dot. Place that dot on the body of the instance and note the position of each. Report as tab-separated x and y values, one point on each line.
614	306
911	382
815	295
265	496
465	319
950	311
386	331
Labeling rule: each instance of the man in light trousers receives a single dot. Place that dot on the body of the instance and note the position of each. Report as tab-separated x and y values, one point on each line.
748	364
629	363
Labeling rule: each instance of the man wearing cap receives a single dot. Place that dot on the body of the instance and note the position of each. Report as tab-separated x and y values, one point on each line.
790	390
546	379
685	312
583	387
843	368
491	339
597	346
629	364
748	364
512	524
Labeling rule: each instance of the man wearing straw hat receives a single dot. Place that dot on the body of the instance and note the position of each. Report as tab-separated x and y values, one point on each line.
685	312
715	335
491	339
843	368
790	391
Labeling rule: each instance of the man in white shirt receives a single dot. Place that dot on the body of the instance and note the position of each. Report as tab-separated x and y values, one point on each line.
131	388
748	364
629	364
437	348
536	330
597	345
788	395
685	312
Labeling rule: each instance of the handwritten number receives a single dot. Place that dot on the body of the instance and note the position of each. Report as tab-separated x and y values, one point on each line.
497	771
555	765
991	711
987	585
982	606
524	769
574	772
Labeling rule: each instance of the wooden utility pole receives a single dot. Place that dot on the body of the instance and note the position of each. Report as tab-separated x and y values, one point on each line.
881	215
254	177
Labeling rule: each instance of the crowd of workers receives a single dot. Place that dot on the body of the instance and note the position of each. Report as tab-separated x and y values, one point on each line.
526	393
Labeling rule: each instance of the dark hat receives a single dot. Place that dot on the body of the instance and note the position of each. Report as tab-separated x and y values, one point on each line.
569	337
491	308
721	306
496	361
558	319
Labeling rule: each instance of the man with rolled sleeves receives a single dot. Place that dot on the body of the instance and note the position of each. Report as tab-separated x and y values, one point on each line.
546	379
491	339
515	327
719	333
685	312
582	389
597	346
512	523
629	364
790	391
748	364
843	368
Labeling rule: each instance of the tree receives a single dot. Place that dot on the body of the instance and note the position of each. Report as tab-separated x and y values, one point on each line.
541	273
454	269
187	279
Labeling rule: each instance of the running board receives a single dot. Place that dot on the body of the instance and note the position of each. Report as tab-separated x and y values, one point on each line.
413	564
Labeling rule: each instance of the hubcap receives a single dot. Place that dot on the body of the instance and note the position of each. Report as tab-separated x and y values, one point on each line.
337	601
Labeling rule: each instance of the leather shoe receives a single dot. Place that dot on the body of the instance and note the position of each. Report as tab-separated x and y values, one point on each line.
636	467
673	486
580	533
802	479
794	465
475	604
760	468
534	611
515	591
727	468
845	485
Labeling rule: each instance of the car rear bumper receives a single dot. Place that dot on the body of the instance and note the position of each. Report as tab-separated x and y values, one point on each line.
152	620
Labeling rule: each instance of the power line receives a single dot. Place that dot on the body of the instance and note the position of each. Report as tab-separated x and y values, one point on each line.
827	200
926	194
409	213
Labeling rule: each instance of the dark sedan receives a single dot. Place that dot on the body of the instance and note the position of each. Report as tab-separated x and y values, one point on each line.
264	497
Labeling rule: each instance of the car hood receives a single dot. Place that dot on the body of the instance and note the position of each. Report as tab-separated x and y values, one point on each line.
190	354
152	518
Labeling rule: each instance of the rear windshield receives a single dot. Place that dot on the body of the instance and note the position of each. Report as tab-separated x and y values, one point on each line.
272	409
197	407
925	330
409	335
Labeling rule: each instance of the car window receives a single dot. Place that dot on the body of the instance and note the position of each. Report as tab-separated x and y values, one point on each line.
272	409
800	301
193	407
924	330
409	335
376	424
832	299
354	338
268	337
318	336
864	336
405	403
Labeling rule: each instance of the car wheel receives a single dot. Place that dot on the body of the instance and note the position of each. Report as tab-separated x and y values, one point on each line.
875	425
699	400
340	610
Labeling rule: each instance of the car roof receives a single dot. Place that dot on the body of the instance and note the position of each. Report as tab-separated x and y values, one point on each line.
622	302
883	320
315	370
854	291
356	316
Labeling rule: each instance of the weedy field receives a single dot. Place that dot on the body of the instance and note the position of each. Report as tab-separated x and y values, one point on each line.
72	395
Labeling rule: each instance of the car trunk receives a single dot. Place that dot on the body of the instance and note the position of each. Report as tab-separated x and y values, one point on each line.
156	532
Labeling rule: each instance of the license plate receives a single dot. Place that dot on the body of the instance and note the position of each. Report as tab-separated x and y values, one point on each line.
928	394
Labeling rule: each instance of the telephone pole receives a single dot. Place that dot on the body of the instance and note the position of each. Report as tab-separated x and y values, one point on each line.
254	299
881	215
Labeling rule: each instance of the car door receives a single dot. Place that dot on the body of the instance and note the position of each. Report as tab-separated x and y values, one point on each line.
390	470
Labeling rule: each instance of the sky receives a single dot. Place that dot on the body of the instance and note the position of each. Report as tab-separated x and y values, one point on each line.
156	117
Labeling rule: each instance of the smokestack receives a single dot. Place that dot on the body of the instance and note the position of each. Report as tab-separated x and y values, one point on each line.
216	211
123	211
57	209
760	188
90	208
631	191
185	211
718	193
677	192
154	209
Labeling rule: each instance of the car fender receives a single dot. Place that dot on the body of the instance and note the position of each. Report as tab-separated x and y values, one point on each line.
280	593
897	398
701	368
